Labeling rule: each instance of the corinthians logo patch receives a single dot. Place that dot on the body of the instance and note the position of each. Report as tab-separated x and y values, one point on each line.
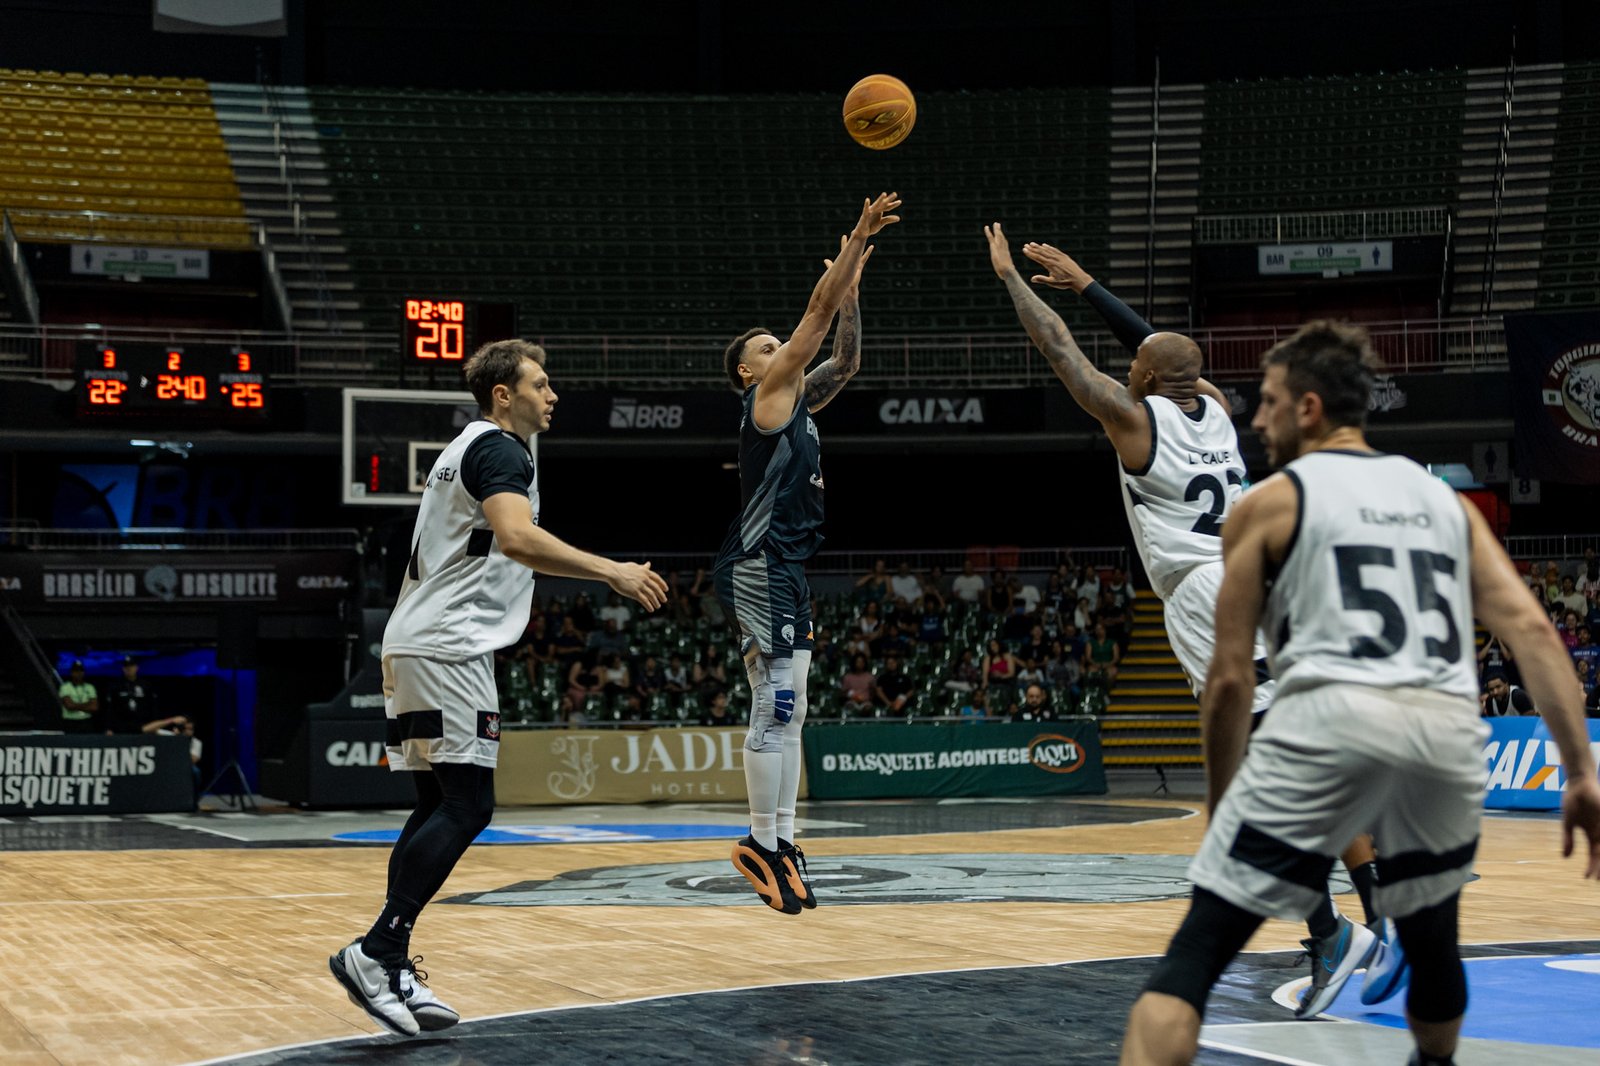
852	879
1571	394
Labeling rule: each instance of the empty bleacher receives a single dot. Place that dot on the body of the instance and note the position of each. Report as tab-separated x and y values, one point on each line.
1569	271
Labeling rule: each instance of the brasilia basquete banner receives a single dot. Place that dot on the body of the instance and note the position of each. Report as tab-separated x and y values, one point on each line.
1555	385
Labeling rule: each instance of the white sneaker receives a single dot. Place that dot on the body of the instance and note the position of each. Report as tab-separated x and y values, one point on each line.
1388	972
431	1013
373	987
1333	960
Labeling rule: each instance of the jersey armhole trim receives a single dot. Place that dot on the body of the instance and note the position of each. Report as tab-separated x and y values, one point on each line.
799	403
1299	516
1150	460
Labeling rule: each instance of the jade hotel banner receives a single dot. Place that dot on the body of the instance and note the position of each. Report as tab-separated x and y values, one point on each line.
988	759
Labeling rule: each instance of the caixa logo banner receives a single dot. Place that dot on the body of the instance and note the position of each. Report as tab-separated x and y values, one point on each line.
1525	765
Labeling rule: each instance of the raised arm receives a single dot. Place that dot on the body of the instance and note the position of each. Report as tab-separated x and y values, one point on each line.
824	382
1099	394
543	551
1499	594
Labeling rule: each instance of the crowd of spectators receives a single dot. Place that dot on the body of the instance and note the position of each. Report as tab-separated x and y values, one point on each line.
1570	591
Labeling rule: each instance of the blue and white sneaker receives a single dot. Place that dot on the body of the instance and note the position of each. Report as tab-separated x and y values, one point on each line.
1334	959
1389	970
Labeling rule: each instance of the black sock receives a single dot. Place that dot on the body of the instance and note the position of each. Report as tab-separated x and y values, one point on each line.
1420	1059
1322	922
389	939
1364	877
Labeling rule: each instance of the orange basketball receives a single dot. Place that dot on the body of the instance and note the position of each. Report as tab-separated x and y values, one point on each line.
879	111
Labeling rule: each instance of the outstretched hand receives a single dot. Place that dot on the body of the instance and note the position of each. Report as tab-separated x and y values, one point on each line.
855	281
875	214
999	251
1580	809
639	583
1064	271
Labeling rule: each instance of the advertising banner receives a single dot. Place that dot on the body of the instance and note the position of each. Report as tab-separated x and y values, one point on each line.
987	759
289	581
55	774
1524	766
622	766
1555	390
349	766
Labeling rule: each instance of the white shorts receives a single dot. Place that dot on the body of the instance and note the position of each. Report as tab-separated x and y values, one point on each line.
440	711
1191	618
1336	761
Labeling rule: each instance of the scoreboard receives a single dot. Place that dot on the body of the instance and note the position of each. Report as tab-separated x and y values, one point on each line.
143	379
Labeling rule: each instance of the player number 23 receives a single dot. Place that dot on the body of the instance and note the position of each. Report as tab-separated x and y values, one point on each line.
1350	558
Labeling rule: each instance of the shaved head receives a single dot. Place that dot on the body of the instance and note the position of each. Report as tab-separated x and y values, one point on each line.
1167	364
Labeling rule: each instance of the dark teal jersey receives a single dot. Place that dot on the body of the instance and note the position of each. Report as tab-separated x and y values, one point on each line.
780	486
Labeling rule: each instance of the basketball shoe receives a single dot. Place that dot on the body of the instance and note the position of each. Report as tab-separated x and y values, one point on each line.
431	1012
794	869
373	987
1333	959
1389	970
766	872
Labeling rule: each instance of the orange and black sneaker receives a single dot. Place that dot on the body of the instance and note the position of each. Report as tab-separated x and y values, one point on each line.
765	870
794	869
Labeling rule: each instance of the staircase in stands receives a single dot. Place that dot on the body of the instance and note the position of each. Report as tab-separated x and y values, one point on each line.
1152	718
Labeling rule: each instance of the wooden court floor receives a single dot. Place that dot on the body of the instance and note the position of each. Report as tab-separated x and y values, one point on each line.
180	956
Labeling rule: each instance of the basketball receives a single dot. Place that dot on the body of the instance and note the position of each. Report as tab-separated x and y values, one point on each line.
879	111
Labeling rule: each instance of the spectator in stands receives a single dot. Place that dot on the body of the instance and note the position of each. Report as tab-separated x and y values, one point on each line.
1028	594
680	608
1035	706
1101	656
568	645
893	642
1063	672
1072	640
1570	599
870	624
608	639
969	586
1495	657
79	701
1500	698
1089	584
1035	651
716	712
1083	614
874	586
930	626
965	674
675	678
649	680
1589	573
1113	616
132	704
1585	675
893	688
582	614
824	652
583	681
976	706
1569	628
933	588
696	595
710	672
1121	589
997	597
616	611
1056	597
857	685
1586	651
905	586
999	665
1029	673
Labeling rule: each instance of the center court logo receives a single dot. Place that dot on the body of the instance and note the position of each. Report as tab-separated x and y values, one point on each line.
629	413
869	879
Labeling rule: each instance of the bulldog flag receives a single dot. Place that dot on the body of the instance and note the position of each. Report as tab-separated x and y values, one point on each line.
1555	384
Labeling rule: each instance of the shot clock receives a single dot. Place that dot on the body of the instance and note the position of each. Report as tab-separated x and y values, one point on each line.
438	331
143	379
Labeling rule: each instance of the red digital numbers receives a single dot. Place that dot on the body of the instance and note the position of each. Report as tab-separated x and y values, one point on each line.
246	394
106	392
436	329
181	387
108	358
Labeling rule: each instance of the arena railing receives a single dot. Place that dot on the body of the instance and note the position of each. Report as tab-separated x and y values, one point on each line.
189	231
1553	546
856	563
987	360
1313	226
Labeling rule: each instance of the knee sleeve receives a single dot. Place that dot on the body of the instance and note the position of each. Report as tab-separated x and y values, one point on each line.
800	669
468	796
1212	933
1438	990
774	704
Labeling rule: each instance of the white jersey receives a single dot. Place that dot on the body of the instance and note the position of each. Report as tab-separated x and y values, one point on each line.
1376	588
1177	503
462	597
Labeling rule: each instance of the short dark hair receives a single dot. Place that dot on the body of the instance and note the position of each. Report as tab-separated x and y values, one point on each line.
497	363
733	355
1335	360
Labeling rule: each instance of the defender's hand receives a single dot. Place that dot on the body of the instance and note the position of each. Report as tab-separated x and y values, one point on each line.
639	583
999	251
1580	809
875	214
1064	271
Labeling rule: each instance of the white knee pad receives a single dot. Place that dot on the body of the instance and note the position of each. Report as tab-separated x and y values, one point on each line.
774	704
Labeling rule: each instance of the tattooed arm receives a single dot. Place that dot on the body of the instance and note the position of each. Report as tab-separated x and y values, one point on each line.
1101	395
824	383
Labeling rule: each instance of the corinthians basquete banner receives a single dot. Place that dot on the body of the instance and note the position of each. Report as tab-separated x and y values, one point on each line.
1555	387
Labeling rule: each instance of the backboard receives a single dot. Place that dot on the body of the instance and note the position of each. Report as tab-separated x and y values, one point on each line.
391	439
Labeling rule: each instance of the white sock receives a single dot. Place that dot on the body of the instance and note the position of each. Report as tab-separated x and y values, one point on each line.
793	760
763	772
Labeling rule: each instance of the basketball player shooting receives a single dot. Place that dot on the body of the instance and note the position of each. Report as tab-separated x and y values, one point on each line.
759	574
467	592
1365	571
